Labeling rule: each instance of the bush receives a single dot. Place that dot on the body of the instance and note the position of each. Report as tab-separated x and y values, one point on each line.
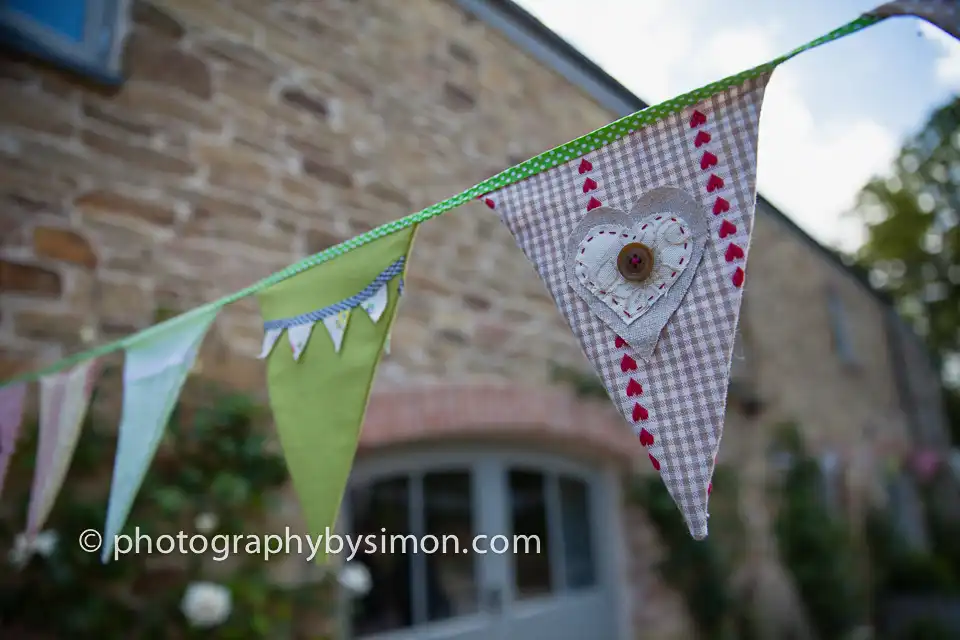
213	471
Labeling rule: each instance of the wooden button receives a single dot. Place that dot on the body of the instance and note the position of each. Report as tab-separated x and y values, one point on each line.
635	262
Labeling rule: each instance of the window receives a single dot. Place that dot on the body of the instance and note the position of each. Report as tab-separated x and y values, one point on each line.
83	35
840	328
413	588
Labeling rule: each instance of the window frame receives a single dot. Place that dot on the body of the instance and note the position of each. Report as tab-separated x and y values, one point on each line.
94	57
840	329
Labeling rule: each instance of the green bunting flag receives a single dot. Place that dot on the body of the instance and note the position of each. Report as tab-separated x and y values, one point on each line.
319	384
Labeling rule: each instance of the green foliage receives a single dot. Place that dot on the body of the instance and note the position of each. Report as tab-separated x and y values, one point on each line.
700	570
214	460
912	251
815	546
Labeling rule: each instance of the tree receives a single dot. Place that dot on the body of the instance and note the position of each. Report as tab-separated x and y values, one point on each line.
912	251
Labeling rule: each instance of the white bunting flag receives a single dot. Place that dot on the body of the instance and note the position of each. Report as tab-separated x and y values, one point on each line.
376	304
270	338
155	369
299	335
64	398
336	327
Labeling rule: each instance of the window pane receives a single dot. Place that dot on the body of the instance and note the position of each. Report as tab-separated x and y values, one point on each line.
450	577
66	17
529	515
382	505
577	539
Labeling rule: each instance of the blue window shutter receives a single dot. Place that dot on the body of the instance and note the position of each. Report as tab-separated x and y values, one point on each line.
68	18
85	36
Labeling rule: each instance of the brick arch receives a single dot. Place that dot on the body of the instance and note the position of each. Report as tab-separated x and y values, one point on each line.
546	417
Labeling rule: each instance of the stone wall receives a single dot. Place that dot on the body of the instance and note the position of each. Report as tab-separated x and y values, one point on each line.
252	134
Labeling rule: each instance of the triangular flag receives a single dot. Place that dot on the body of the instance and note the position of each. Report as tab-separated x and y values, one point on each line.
319	401
643	245
336	326
155	369
377	304
299	336
942	13
11	416
270	337
64	397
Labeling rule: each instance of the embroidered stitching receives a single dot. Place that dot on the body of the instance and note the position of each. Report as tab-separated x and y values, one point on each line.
720	205
385	276
640	413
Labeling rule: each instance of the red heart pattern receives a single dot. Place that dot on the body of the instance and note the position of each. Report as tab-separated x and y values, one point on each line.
702	138
490	203
720	206
708	160
634	388
589	185
646	438
714	183
585	166
639	412
738	277
734	252
593	204
620	342
697	119
727	228
627	364
654	461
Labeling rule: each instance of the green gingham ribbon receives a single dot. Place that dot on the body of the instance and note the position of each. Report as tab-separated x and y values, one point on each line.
543	162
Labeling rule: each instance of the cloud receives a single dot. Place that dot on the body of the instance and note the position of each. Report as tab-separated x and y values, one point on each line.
811	164
948	55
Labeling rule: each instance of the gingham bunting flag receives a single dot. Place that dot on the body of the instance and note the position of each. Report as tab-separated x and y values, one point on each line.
942	13
643	244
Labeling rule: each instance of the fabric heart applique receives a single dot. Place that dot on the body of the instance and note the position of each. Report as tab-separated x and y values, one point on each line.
667	238
633	270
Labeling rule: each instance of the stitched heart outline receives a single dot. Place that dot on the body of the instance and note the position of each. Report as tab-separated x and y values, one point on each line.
643	333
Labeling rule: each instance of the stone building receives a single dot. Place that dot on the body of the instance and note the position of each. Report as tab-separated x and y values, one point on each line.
248	134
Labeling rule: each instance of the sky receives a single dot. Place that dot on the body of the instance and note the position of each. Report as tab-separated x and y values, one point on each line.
832	118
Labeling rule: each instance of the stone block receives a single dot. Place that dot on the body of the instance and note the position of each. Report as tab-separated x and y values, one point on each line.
159	62
63	245
62	327
17	277
137	156
122	303
100	203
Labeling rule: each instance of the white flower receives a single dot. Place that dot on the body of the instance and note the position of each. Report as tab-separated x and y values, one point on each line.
206	604
355	578
21	551
46	543
43	543
206	522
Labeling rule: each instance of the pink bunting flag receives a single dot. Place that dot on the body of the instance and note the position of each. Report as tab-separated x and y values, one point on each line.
11	416
64	397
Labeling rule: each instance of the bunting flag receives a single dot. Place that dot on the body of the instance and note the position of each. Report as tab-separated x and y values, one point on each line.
64	398
941	13
11	416
154	371
319	385
640	230
643	245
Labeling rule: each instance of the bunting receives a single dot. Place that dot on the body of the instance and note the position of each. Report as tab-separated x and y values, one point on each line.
154	371
640	230
63	405
319	385
11	416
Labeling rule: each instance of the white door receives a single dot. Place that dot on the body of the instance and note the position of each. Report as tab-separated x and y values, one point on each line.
563	591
